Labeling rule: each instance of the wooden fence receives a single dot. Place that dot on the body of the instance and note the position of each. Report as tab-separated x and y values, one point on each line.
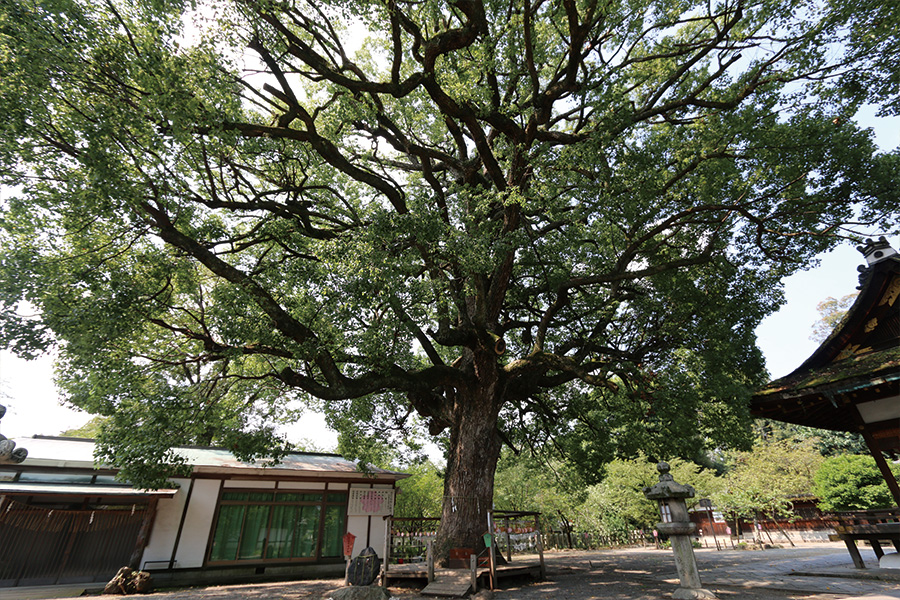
590	540
514	533
42	546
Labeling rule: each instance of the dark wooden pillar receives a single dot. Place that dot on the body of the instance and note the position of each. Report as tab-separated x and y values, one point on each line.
143	537
883	465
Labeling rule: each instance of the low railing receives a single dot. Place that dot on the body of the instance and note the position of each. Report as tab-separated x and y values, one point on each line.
409	538
867	521
874	526
409	541
593	540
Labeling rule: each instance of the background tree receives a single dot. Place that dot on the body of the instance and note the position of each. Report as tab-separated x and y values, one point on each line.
693	404
827	443
422	494
90	430
617	506
530	483
485	213
852	482
831	312
766	480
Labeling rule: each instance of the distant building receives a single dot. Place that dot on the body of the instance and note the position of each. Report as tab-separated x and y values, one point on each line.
63	520
804	522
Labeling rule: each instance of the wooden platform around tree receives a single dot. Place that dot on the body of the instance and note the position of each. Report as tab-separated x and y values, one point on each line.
449	582
528	565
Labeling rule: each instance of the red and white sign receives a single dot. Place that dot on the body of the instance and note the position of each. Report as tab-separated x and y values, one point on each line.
348	540
370	502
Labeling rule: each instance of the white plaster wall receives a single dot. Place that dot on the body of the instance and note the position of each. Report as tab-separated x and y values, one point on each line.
357	526
300	485
165	527
237	483
377	536
197	525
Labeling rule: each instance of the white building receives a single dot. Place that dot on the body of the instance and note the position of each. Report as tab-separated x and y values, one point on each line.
63	520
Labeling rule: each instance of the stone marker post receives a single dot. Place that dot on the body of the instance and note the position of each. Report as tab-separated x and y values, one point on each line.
677	525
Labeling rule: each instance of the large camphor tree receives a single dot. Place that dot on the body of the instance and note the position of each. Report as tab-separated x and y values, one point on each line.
503	221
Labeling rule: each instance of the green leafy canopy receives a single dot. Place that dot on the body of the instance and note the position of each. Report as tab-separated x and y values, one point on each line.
493	221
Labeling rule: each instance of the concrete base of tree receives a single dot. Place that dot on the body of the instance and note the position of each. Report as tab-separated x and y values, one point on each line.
692	594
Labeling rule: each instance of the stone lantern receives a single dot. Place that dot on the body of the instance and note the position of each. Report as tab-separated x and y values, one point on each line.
677	525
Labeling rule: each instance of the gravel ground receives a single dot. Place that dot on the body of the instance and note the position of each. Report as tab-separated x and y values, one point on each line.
626	577
629	574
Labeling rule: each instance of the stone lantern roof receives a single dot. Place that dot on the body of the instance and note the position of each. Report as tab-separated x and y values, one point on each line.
667	486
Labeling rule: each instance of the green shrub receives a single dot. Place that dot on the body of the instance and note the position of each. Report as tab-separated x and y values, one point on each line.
851	482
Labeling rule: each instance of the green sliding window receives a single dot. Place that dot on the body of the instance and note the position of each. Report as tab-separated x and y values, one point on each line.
228	532
335	521
294	532
253	537
279	525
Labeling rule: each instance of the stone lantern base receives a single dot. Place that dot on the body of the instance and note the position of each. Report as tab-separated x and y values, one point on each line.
692	594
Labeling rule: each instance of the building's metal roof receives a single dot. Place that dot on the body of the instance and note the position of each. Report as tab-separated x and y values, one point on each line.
45	451
68	489
69	453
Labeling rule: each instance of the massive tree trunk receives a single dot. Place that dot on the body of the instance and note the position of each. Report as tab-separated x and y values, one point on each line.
471	462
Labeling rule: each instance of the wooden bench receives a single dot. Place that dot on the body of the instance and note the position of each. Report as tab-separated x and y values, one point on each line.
874	526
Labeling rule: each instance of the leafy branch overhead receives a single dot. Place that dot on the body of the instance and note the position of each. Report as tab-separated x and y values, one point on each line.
501	220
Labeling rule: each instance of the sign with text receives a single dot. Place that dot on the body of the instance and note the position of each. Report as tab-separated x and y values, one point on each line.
370	502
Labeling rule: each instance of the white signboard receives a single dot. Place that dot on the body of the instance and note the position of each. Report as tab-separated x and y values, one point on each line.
369	502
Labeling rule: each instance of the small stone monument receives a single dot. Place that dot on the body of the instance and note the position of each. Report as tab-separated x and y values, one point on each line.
677	525
128	581
364	568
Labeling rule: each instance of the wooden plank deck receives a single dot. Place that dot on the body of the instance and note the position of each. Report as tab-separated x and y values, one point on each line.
420	571
455	583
